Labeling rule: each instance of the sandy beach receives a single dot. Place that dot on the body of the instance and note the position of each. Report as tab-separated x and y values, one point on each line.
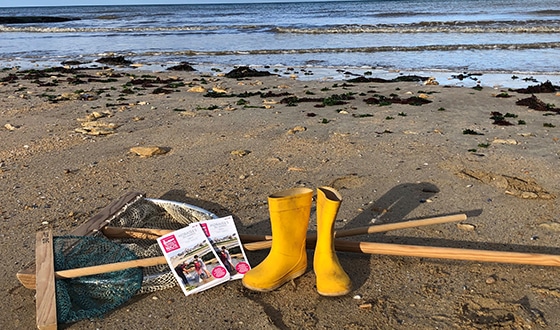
395	150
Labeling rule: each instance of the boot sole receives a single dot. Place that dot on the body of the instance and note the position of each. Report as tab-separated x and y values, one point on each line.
334	294
284	281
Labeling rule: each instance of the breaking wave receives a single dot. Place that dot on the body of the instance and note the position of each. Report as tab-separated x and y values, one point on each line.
508	27
434	27
363	49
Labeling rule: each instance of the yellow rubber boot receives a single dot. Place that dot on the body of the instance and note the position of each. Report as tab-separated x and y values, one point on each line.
332	280
289	217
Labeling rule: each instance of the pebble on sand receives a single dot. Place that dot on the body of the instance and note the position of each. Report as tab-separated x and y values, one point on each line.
149	151
240	152
197	89
297	129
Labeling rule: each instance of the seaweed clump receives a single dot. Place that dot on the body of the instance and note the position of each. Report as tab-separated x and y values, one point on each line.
335	99
245	71
183	66
408	78
114	60
535	103
383	100
499	119
546	87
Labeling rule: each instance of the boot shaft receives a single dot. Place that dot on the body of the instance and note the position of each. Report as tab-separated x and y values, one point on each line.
289	219
328	203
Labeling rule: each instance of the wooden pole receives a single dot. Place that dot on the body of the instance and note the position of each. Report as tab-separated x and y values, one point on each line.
44	274
112	267
149	233
400	225
312	238
521	258
353	246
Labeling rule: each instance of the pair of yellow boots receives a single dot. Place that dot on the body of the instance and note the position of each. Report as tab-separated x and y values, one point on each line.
287	260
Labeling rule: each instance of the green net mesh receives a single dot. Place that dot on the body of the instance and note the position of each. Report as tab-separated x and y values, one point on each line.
93	296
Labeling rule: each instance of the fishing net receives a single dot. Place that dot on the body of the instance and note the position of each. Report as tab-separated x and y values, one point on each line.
93	296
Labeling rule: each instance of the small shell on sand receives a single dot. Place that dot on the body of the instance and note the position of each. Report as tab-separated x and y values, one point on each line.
552	226
466	226
505	141
490	279
11	127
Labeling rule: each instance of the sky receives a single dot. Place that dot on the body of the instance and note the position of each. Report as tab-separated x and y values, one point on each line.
41	3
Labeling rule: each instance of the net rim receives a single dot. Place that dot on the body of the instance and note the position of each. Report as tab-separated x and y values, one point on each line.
183	205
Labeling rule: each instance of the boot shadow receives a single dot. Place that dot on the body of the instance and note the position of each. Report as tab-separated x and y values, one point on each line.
392	207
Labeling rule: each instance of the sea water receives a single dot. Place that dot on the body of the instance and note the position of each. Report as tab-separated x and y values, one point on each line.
514	37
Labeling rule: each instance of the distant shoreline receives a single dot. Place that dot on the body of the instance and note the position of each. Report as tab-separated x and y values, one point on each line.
330	73
34	19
